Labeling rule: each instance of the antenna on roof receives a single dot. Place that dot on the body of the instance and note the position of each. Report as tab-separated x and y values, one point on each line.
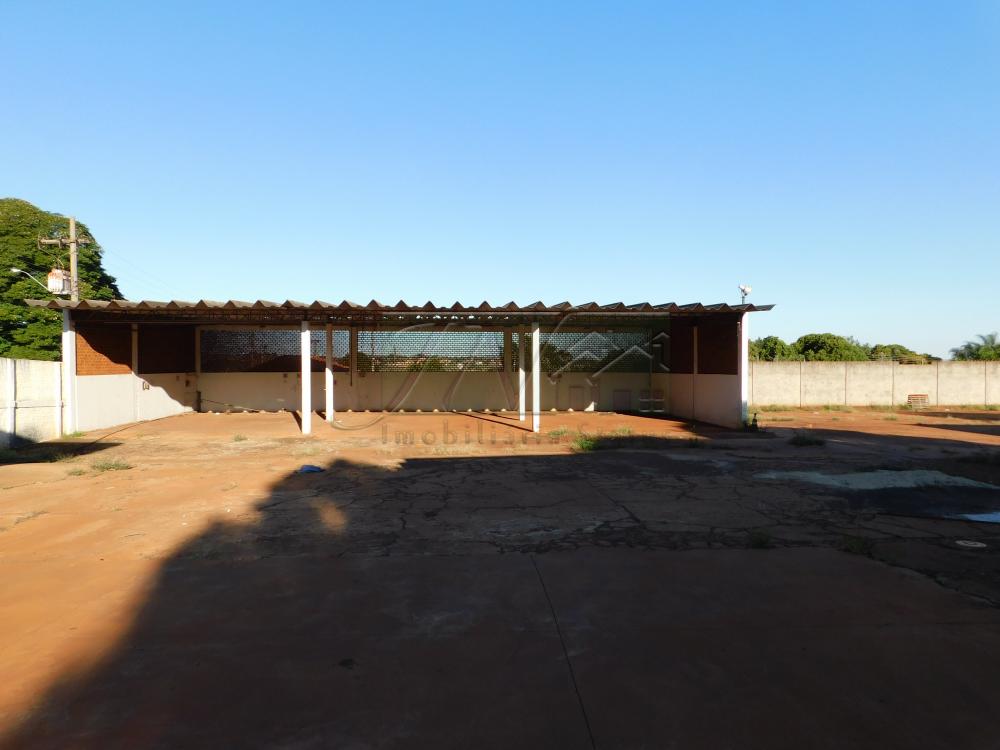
745	290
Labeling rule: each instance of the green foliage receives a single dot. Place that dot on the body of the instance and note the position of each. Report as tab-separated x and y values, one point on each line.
759	539
987	348
771	349
857	545
26	332
900	353
828	347
584	443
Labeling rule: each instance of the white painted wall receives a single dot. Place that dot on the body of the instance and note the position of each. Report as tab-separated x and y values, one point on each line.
30	400
167	394
104	401
873	383
715	399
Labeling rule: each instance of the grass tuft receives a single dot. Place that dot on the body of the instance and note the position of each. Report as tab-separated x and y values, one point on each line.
857	545
110	464
774	407
622	431
759	539
803	439
76	472
559	432
239	438
836	407
584	443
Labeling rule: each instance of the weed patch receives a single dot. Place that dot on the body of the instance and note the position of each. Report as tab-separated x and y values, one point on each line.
857	545
559	432
239	438
584	443
110	464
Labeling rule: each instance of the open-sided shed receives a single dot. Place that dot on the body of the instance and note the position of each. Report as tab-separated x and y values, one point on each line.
127	361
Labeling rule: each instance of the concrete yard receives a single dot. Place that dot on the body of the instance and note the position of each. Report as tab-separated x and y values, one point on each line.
452	581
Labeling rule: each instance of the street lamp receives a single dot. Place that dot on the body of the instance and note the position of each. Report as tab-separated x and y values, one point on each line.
56	284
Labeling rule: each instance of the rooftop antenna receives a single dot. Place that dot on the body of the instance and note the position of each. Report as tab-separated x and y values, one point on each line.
745	290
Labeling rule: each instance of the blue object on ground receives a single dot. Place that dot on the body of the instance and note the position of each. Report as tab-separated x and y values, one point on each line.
309	469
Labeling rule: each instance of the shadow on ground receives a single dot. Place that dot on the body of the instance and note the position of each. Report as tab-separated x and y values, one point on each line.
313	626
53	450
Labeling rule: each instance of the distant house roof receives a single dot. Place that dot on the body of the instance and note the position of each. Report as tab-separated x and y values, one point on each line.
318	311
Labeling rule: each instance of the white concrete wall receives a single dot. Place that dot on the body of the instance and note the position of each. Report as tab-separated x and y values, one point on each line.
717	399
30	400
873	383
111	400
165	394
714	399
104	401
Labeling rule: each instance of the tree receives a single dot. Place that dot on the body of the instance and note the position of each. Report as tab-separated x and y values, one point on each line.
899	353
828	347
28	332
771	349
987	348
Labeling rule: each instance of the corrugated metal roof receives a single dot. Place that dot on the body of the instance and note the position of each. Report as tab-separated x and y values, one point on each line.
401	307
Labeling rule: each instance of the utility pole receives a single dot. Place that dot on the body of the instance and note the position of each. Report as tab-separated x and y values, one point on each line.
74	279
73	242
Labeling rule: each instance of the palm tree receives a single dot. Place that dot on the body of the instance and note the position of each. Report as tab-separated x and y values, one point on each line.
988	347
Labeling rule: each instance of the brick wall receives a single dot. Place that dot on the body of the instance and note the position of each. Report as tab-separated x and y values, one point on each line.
104	349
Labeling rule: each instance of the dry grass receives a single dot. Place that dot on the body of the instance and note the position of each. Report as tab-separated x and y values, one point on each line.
110	464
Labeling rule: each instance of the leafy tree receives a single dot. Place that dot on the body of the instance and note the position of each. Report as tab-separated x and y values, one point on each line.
29	332
900	353
987	348
828	347
771	349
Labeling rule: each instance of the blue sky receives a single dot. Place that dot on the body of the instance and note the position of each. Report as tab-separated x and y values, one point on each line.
844	158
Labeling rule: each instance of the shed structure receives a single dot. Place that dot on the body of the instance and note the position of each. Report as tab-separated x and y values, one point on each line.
128	361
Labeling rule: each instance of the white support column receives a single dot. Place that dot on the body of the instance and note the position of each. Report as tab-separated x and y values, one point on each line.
744	367
536	378
522	363
69	373
305	347
329	373
135	372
